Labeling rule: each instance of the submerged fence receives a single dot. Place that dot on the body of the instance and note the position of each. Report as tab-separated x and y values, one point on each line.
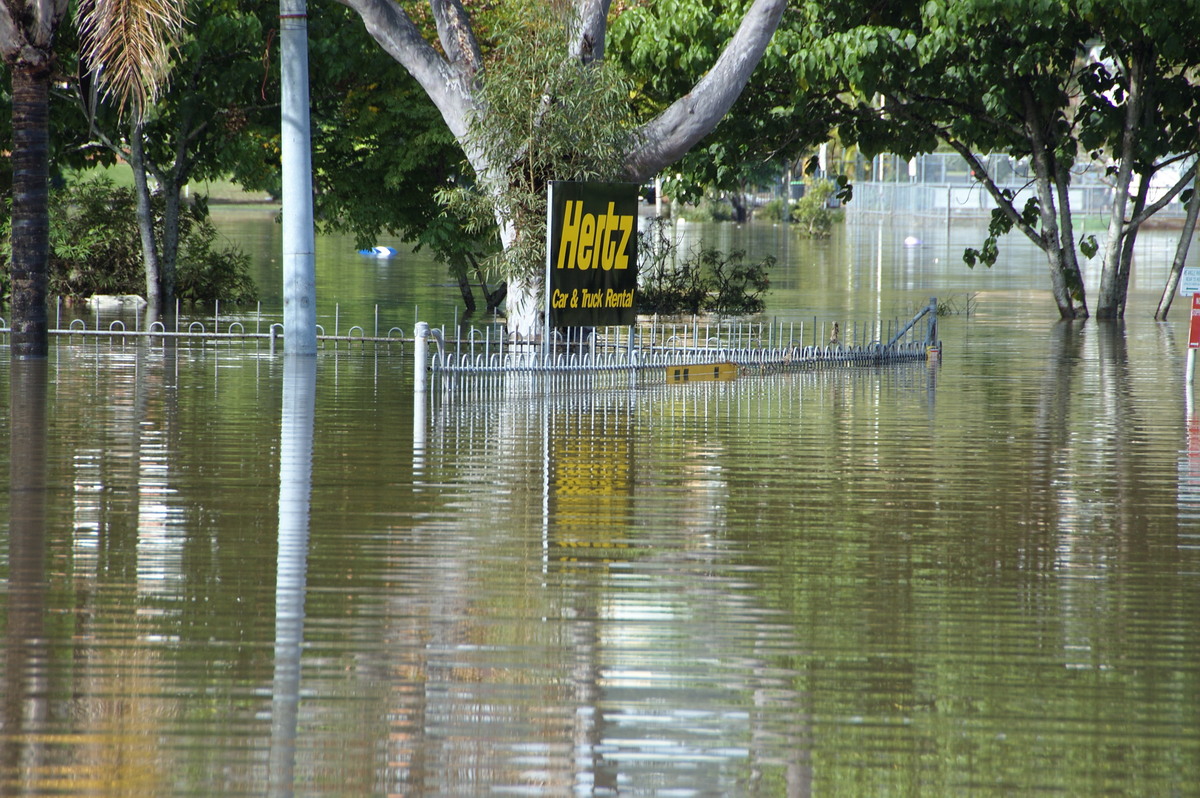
658	351
654	349
119	324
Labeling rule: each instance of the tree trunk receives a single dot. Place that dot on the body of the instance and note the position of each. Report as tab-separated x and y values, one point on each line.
492	298
1051	242
30	209
172	184
145	221
1181	252
170	241
1050	181
1125	262
458	268
1071	272
1108	300
588	31
738	200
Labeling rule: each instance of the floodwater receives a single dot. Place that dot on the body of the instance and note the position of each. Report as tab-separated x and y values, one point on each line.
225	572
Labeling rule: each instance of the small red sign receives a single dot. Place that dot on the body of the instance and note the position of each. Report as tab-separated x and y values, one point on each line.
1194	337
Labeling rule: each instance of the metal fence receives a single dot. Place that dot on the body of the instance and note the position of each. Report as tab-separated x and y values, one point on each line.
655	351
957	200
120	327
942	185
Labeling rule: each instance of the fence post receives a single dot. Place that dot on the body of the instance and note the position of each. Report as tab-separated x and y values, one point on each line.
421	356
931	336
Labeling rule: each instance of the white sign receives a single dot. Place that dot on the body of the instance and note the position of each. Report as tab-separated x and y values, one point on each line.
1189	281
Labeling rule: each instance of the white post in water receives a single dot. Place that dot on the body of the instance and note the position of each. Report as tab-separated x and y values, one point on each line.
299	247
421	358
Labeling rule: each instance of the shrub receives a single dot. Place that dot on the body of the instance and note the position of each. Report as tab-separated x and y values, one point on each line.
734	286
205	273
95	247
812	211
773	211
709	209
704	279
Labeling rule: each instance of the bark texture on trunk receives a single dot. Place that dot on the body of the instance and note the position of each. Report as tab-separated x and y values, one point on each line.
30	215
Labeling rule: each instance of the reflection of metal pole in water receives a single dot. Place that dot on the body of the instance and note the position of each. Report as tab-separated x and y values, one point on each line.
295	484
420	395
1189	375
25	703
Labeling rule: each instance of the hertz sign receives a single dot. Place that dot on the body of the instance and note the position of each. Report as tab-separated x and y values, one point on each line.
591	254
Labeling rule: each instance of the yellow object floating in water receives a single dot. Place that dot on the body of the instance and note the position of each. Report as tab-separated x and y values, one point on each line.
708	372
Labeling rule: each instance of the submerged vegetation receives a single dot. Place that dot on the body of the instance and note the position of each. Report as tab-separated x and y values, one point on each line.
811	213
703	279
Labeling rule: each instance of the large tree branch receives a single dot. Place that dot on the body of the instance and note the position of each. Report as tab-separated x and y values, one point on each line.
447	84
588	29
1156	206
667	138
28	36
10	37
454	32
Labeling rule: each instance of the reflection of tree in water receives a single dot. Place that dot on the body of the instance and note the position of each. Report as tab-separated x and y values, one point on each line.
24	707
563	634
118	542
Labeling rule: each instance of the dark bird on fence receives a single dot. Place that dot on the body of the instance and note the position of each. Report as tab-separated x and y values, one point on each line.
835	336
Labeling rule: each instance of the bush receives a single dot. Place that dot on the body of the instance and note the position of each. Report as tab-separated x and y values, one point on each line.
773	211
703	280
734	286
709	209
812	211
95	247
205	274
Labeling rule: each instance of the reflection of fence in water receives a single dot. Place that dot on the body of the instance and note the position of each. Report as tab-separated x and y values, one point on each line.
467	412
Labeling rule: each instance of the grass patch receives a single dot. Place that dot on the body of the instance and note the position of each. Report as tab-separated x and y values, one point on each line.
221	192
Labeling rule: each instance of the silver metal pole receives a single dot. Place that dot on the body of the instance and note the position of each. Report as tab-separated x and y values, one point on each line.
421	357
299	247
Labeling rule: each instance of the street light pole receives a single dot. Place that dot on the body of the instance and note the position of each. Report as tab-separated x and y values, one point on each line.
299	246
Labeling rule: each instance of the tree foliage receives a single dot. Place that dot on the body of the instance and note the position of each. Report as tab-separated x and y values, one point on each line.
1022	77
666	46
95	249
547	118
452	73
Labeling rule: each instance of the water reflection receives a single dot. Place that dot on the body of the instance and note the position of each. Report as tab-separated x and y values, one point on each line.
828	582
295	487
24	707
660	664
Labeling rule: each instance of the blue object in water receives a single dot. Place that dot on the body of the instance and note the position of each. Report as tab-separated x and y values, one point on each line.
378	252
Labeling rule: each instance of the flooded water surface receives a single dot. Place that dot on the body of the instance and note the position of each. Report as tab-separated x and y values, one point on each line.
230	572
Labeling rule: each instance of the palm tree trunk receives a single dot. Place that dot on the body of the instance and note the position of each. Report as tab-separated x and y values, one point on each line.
30	214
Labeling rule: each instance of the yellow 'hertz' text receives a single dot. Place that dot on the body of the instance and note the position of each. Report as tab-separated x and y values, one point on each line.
594	242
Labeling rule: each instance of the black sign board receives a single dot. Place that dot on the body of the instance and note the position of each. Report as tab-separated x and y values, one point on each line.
591	254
